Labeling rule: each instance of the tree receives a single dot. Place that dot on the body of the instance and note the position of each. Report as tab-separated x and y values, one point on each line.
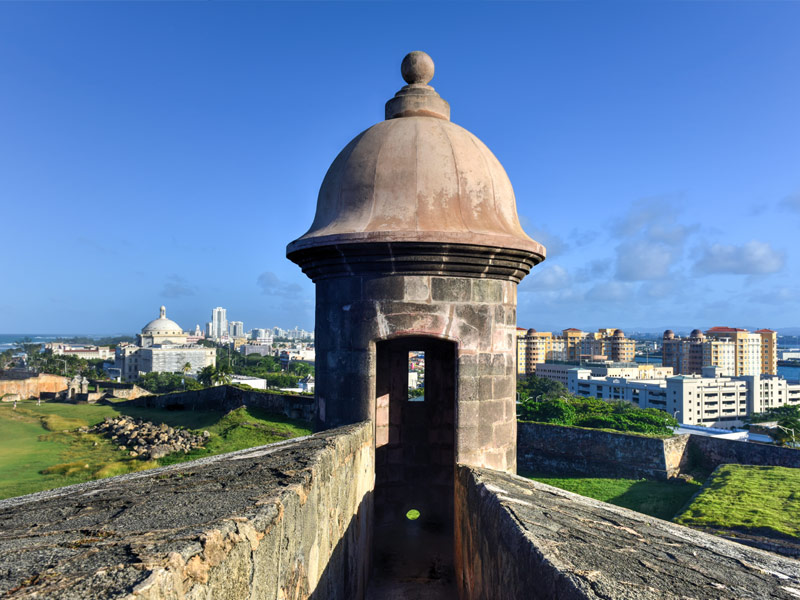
534	387
206	376
186	368
300	368
222	375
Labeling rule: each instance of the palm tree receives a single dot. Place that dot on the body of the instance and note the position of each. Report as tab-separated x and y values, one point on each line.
222	375
186	368
206	376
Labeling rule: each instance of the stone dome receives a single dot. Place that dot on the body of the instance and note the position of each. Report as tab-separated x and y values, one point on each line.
162	325
531	331
696	333
416	177
669	334
618	333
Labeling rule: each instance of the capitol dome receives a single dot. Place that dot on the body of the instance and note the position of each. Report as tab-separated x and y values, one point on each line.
162	325
417	178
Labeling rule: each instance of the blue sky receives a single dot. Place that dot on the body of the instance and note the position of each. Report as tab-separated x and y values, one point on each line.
167	152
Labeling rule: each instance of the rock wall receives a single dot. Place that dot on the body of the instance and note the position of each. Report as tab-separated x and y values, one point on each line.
289	520
33	387
228	397
517	538
555	449
572	450
708	453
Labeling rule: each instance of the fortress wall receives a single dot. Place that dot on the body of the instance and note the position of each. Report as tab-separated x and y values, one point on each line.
572	450
228	397
517	538
33	387
559	450
712	452
288	520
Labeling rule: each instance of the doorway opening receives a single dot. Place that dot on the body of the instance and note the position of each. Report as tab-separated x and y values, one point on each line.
415	462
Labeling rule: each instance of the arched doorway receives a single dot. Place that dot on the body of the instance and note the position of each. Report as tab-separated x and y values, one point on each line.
415	458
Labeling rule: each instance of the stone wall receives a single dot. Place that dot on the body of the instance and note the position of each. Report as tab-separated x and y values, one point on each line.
571	450
228	397
708	453
517	538
33	387
289	520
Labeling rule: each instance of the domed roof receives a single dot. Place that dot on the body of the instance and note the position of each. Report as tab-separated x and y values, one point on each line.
162	325
618	333
531	331
417	177
696	333
669	334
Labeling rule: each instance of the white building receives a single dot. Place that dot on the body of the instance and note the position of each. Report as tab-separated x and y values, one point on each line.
254	382
560	371
85	352
236	329
692	399
219	323
161	348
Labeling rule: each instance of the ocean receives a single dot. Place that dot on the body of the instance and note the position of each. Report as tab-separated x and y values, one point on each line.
9	340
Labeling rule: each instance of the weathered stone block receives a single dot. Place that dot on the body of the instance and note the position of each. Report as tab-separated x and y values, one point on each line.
450	289
487	291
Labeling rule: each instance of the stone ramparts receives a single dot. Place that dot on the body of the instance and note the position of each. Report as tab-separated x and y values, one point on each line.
33	387
288	520
228	397
517	538
576	451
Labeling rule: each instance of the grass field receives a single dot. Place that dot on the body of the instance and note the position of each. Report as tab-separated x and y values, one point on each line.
659	499
749	499
40	449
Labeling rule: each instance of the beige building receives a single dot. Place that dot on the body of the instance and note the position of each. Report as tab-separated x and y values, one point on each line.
560	371
161	348
85	352
573	345
736	352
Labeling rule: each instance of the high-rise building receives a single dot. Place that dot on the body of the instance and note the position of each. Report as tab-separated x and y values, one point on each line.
736	352
219	323
573	345
236	329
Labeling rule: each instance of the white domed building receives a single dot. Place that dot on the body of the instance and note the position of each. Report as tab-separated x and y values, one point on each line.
161	331
161	347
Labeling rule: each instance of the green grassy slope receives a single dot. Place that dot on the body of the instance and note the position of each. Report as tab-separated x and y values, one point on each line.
659	499
749	499
40	449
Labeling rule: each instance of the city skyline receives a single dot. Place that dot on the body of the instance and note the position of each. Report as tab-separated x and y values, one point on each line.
166	154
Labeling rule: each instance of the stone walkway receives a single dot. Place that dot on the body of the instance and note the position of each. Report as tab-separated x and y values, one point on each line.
411	563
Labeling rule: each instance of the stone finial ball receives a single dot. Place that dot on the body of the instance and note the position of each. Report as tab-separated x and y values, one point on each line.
417	67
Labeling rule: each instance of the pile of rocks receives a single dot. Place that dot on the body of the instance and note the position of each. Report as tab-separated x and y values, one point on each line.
148	440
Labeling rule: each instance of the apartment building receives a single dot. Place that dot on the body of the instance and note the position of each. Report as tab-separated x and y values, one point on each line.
692	399
572	345
560	371
737	352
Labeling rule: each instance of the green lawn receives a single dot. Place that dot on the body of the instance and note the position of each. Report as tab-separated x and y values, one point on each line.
660	499
40	449
757	500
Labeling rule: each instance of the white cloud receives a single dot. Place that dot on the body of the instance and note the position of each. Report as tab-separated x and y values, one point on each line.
643	260
271	285
610	291
752	258
547	279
